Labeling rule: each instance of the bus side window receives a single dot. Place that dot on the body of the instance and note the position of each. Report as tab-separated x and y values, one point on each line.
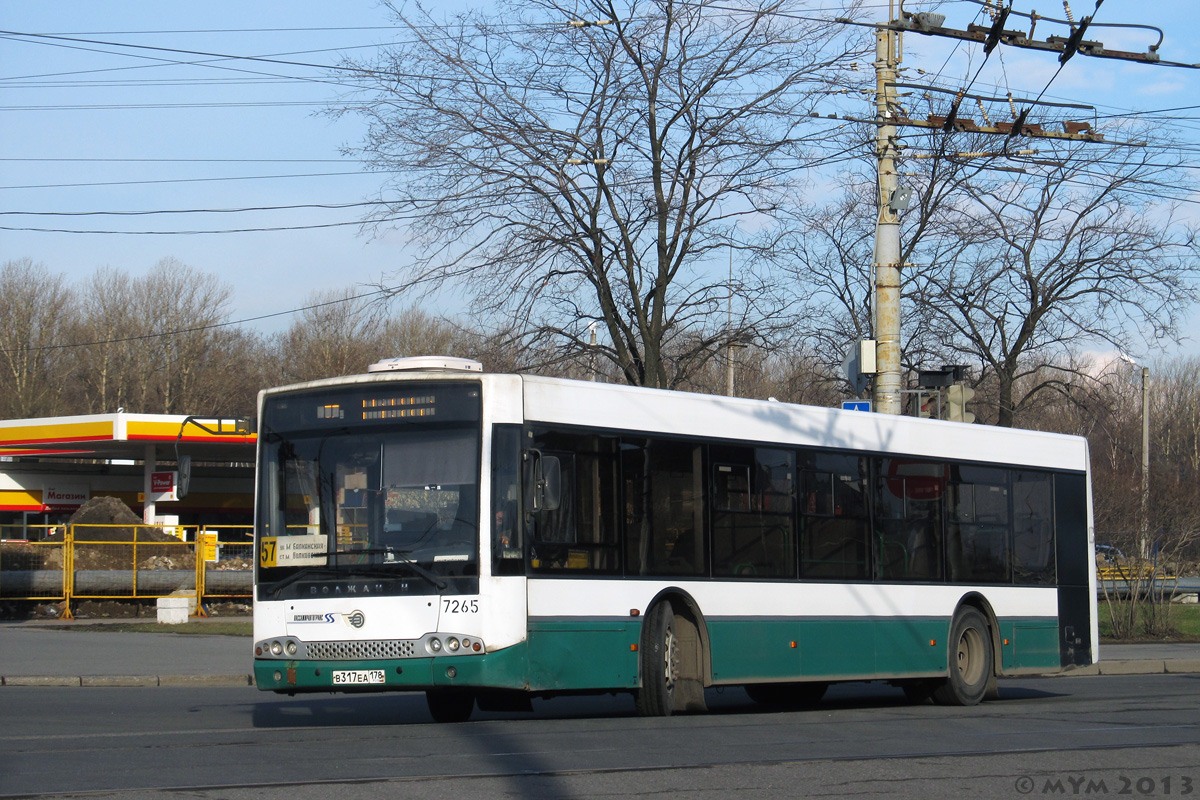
751	512
910	503
977	532
507	543
664	530
835	529
1033	528
581	534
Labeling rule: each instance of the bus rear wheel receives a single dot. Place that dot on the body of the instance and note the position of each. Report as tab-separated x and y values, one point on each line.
659	663
971	661
450	705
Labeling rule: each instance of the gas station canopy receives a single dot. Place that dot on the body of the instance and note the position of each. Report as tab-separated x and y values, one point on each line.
77	441
127	436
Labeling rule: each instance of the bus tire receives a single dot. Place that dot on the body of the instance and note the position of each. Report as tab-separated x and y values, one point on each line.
450	705
971	659
659	663
787	695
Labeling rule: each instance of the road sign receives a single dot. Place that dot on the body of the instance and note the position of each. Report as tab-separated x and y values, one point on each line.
856	405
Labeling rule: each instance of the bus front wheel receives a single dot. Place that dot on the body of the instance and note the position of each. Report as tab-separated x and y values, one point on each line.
450	705
971	660
659	663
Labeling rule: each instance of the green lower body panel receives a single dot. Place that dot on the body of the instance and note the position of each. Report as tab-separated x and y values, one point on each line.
566	655
766	650
503	669
574	654
761	651
559	656
1029	644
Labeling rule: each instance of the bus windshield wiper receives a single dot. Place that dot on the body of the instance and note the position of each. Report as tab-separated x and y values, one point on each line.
302	572
336	569
397	556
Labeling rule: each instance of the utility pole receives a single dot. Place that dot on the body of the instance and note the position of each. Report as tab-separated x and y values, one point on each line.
1144	523
886	389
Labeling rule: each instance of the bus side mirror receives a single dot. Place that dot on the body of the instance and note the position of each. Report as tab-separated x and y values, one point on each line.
549	484
544	487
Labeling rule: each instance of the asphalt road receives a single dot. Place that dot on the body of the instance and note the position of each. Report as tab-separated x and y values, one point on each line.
1078	736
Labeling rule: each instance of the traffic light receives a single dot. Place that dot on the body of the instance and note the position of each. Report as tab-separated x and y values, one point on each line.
957	397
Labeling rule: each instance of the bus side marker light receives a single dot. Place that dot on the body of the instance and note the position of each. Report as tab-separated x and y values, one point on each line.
633	648
633	612
933	642
1006	642
793	645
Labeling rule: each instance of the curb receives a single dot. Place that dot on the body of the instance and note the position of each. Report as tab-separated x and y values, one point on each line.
128	681
1151	666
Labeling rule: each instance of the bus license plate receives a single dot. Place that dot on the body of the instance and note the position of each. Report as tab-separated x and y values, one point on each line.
345	677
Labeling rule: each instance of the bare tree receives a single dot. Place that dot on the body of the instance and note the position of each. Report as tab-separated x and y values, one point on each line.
99	364
35	311
188	309
339	333
1021	270
829	251
1103	401
591	174
143	344
1014	265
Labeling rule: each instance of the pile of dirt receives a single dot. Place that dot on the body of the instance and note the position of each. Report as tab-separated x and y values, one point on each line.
106	511
106	530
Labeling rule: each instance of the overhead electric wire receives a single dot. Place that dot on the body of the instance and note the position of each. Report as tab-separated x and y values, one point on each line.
131	160
185	180
357	71
362	204
19	35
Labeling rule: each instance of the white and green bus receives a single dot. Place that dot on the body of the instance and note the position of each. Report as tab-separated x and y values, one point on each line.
489	538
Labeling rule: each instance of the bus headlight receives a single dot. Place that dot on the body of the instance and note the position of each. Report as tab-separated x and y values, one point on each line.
446	644
276	648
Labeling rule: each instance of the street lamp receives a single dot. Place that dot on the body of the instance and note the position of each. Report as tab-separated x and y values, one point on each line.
1144	528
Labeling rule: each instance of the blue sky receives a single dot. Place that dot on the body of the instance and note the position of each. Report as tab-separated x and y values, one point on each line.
95	127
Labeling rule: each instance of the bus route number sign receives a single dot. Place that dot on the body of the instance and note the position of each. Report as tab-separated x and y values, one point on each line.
292	551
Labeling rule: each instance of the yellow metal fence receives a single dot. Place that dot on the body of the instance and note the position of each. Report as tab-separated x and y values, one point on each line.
69	563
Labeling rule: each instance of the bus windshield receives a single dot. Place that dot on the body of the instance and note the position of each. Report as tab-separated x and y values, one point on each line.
345	499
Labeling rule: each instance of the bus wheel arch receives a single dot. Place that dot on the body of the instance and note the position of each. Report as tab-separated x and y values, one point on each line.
980	602
674	666
971	655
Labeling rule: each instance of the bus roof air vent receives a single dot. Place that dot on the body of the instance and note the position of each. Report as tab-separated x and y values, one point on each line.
447	363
